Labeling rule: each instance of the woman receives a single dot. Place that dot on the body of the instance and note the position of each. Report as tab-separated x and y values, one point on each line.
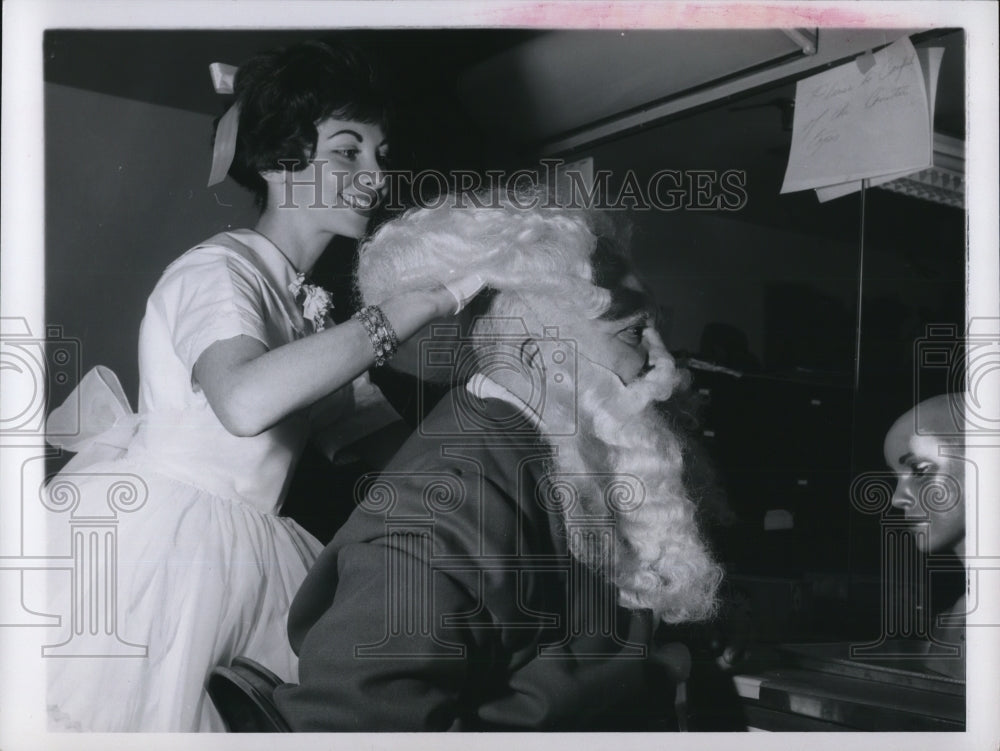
925	448
230	369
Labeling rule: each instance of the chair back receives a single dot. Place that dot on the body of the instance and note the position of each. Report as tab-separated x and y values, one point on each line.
244	695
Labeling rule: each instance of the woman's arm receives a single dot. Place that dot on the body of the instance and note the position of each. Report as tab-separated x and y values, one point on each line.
250	388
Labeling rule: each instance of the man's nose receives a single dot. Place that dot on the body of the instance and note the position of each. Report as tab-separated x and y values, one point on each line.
646	367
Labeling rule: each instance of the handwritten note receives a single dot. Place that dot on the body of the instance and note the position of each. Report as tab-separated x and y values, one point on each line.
868	119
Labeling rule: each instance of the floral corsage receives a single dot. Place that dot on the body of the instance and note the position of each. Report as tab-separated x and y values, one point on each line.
316	302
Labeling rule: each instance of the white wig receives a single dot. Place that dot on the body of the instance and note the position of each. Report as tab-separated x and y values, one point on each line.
538	253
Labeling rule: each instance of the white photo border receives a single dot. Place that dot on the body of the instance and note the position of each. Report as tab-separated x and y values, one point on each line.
22	723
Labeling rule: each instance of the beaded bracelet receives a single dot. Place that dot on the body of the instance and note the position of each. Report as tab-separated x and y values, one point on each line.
380	331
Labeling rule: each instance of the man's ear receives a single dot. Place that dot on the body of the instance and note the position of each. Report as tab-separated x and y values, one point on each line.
529	354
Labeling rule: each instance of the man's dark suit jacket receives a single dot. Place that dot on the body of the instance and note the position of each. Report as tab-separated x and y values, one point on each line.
448	601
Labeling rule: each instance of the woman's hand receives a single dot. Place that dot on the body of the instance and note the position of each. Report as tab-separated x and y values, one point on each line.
452	294
463	289
439	296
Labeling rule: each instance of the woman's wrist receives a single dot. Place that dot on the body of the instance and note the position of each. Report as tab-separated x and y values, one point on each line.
397	319
380	332
411	311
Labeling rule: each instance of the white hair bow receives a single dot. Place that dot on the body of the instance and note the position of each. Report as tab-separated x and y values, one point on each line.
223	77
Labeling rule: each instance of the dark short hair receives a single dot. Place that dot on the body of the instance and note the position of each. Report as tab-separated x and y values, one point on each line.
285	92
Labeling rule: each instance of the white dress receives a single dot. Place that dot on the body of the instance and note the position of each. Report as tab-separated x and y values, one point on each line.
205	569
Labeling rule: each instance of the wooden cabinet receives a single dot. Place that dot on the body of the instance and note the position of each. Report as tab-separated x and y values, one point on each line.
816	687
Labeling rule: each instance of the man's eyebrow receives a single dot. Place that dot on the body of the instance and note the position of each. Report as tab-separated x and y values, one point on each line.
906	457
641	316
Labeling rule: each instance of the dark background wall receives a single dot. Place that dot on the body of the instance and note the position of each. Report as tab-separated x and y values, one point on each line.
124	195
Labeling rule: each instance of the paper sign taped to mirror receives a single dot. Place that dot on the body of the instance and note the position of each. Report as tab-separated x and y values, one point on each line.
864	121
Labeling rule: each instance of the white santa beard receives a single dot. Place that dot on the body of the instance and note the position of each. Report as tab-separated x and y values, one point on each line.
625	466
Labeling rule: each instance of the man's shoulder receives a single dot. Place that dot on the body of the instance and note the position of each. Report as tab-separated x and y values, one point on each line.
460	418
467	450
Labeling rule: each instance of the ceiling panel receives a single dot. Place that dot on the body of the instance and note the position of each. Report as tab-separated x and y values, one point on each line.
170	67
560	81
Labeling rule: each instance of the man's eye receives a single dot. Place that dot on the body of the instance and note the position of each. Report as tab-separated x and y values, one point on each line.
922	469
633	333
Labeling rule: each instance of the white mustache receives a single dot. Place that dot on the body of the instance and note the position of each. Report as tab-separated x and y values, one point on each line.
660	376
